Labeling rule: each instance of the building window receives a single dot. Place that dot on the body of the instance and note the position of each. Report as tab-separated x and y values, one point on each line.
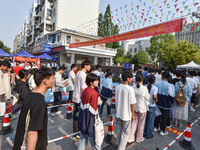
68	38
131	50
135	50
58	38
146	49
49	12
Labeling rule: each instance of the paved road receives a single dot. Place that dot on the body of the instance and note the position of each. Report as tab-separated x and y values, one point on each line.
58	126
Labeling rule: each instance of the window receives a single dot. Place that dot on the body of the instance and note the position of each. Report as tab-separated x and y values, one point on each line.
49	12
135	50
146	49
131	50
68	38
58	38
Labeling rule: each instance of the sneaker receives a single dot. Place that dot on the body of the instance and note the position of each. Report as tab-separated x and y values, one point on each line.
168	126
155	129
163	133
140	140
78	137
192	109
58	112
53	114
13	118
10	142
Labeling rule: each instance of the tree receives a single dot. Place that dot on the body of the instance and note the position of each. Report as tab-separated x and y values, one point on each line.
3	47
106	28
162	48
119	58
140	58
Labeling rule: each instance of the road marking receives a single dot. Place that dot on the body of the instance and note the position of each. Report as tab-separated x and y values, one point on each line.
175	131
62	131
51	120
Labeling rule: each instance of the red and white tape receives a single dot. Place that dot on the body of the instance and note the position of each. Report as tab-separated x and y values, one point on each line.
70	135
61	105
169	145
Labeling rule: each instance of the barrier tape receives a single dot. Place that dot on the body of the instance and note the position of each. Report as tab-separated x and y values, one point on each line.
169	145
61	105
70	135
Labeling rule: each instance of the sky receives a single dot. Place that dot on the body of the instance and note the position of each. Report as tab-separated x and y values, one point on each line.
13	13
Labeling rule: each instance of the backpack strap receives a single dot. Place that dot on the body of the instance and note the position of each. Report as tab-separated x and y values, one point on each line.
182	86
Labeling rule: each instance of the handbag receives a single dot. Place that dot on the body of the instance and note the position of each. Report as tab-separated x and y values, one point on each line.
157	111
2	108
24	144
99	130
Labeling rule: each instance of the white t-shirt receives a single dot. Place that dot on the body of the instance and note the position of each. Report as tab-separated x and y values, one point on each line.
2	87
197	81
31	82
153	91
192	83
158	77
125	97
97	73
71	77
78	86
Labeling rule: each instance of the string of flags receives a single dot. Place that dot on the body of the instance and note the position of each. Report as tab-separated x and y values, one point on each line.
145	13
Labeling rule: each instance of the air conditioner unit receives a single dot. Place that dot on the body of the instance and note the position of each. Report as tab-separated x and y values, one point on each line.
52	5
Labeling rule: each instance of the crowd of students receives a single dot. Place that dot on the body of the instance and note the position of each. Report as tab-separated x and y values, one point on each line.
145	100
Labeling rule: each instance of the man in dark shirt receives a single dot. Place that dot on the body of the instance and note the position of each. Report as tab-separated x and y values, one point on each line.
37	128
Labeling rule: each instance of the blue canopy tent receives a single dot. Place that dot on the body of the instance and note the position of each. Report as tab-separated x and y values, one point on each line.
45	56
25	54
3	53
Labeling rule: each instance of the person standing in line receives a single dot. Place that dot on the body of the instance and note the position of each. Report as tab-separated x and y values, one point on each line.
98	73
196	102
71	81
125	100
158	76
181	112
178	77
87	112
107	93
36	105
193	85
57	91
153	90
79	86
141	107
164	103
28	66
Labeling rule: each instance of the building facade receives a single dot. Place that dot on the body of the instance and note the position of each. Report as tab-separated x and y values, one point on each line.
190	33
52	25
140	45
125	45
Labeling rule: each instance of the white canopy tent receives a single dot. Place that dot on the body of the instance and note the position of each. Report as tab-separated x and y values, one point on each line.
191	65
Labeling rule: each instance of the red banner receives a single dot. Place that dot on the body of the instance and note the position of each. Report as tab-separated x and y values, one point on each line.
163	28
18	58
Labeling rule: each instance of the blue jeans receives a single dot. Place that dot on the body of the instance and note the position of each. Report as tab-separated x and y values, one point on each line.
149	122
83	142
12	137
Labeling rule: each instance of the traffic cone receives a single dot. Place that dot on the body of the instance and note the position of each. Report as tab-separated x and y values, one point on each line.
113	102
69	111
110	133
6	129
187	140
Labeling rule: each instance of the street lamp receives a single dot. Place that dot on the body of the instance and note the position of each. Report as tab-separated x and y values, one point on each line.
197	13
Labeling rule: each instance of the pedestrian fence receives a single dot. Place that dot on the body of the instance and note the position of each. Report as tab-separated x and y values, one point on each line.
169	145
76	133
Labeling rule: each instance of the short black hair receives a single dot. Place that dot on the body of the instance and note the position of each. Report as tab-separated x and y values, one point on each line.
41	74
62	68
98	66
32	71
165	75
85	63
91	77
23	73
145	68
126	74
178	73
73	65
159	71
6	63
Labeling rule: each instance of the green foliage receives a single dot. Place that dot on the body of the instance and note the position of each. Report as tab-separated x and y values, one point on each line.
114	79
164	48
3	47
140	58
119	56
106	27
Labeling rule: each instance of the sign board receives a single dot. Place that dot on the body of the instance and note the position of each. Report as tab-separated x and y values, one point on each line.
127	65
58	49
46	48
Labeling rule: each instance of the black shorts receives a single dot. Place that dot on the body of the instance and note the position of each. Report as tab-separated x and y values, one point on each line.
193	97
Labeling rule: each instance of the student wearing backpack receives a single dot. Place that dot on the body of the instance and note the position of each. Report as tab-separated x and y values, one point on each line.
183	95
